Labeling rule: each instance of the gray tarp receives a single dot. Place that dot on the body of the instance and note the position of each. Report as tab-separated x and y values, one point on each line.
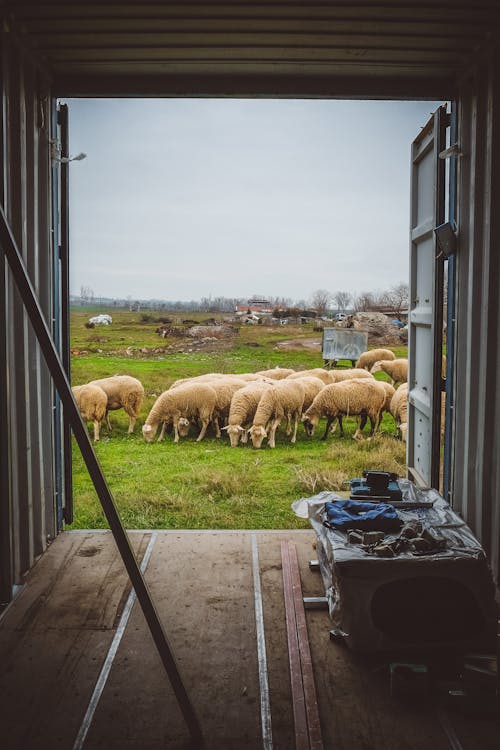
366	616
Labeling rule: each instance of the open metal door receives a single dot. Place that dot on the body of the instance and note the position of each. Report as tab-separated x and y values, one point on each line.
425	320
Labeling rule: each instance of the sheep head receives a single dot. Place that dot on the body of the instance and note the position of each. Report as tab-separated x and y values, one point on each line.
376	367
257	434
183	426
235	431
148	432
309	423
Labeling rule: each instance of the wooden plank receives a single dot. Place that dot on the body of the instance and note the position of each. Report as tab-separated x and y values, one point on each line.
298	697
313	722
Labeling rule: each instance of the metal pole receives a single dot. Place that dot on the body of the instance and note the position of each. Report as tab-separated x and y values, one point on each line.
72	414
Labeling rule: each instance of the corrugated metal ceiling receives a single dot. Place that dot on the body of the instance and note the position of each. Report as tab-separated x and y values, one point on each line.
131	47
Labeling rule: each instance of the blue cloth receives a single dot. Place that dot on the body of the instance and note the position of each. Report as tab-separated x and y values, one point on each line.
351	514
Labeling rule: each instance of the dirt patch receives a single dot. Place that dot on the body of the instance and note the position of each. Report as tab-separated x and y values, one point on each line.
298	345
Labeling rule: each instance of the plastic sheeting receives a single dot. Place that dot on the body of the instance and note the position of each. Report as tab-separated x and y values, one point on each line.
409	600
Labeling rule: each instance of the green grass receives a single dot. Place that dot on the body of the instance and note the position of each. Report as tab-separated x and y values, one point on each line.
193	485
211	485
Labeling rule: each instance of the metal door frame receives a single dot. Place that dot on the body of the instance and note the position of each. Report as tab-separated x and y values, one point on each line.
426	304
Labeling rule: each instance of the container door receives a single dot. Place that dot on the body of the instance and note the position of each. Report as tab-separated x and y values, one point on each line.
425	338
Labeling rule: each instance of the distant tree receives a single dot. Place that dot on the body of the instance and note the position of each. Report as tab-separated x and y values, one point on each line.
86	295
364	302
320	301
398	297
342	300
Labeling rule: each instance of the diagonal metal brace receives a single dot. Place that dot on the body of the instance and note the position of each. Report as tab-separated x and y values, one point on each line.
72	414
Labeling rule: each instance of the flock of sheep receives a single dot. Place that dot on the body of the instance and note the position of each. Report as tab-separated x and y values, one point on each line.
255	404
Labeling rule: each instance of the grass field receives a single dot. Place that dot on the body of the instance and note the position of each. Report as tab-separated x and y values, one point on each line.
208	484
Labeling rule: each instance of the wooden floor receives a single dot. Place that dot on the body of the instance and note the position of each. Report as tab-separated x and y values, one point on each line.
56	636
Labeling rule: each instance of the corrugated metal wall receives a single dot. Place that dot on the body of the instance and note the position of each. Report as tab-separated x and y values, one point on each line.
28	517
476	461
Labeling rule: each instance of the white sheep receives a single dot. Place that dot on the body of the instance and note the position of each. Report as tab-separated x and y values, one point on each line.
283	401
317	372
399	409
367	359
389	393
197	379
312	386
356	397
396	369
123	392
276	373
337	376
92	402
224	388
242	410
180	406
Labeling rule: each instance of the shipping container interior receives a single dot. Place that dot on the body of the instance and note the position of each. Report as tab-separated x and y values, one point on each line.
444	51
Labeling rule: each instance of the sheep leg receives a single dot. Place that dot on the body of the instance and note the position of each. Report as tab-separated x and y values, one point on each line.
131	424
272	433
216	425
294	436
96	430
288	430
162	432
204	425
361	422
176	431
329	421
374	421
108	423
333	428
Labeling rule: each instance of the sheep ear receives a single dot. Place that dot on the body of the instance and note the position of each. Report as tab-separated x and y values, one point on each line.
147	428
225	428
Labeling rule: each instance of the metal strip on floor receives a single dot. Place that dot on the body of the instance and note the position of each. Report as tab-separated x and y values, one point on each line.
265	706
108	662
305	705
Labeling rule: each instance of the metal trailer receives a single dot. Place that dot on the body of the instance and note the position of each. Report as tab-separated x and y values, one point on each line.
343	343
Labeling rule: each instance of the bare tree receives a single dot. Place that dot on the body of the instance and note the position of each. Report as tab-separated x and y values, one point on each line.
320	301
342	300
86	295
364	302
398	297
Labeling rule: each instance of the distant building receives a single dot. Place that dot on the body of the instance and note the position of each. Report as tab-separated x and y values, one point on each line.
257	305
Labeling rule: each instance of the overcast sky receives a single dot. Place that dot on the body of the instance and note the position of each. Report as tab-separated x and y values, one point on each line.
184	198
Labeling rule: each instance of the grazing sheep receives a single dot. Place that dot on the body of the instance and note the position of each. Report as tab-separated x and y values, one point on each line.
180	406
124	392
317	372
312	386
389	393
349	398
276	373
224	388
283	401
399	409
197	379
367	359
242	410
92	402
337	376
396	369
